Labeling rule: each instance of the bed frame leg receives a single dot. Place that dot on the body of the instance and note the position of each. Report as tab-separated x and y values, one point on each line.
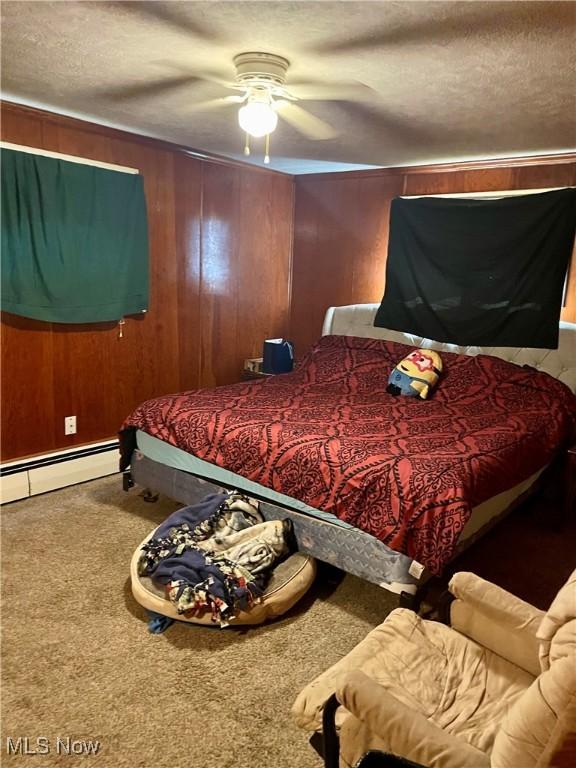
127	481
427	592
409	600
150	496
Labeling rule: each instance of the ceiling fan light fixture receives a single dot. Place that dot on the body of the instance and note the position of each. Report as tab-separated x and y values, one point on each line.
257	118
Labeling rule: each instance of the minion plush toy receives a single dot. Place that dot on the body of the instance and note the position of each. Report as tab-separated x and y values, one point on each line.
416	374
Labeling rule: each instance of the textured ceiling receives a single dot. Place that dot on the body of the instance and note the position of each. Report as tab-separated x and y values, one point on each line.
445	81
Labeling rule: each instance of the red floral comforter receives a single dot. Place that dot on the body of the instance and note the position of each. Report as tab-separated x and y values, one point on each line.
405	470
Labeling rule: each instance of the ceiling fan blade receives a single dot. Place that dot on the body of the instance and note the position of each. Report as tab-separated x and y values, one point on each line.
371	119
145	90
305	122
209	104
331	91
422	23
177	16
209	76
375	39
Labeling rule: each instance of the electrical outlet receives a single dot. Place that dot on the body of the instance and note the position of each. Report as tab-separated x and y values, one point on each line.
70	425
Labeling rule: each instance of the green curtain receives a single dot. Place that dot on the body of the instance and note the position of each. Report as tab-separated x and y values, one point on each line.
74	240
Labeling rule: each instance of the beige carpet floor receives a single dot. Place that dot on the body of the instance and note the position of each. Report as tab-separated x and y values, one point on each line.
79	663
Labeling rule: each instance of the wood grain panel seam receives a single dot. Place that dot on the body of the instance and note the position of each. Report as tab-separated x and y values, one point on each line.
291	258
201	276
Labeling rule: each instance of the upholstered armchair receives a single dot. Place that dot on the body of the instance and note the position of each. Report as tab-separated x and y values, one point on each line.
495	689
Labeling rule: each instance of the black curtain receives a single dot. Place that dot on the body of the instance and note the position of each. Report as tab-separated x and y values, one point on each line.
482	272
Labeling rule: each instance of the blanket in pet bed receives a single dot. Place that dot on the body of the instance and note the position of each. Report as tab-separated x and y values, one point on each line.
218	562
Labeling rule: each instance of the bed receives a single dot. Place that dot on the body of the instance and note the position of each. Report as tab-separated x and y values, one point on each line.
388	489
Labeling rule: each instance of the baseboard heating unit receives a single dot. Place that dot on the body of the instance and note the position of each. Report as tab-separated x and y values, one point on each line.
38	474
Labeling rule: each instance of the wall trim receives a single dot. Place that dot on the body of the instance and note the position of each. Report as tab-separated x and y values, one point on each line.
560	158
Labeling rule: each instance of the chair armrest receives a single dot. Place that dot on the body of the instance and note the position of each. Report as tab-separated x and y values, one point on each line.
309	704
405	731
496	619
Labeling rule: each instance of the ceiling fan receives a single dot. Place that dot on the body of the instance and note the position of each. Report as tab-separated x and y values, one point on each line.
263	96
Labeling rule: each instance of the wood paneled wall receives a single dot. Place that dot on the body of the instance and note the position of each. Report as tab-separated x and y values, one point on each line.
341	228
220	265
222	274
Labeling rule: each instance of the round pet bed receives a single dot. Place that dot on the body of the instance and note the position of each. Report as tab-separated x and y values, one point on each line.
289	581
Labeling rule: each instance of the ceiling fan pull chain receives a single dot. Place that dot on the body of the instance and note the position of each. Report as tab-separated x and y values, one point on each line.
247	144
267	149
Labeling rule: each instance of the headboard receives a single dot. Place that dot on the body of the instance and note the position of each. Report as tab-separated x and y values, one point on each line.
358	320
